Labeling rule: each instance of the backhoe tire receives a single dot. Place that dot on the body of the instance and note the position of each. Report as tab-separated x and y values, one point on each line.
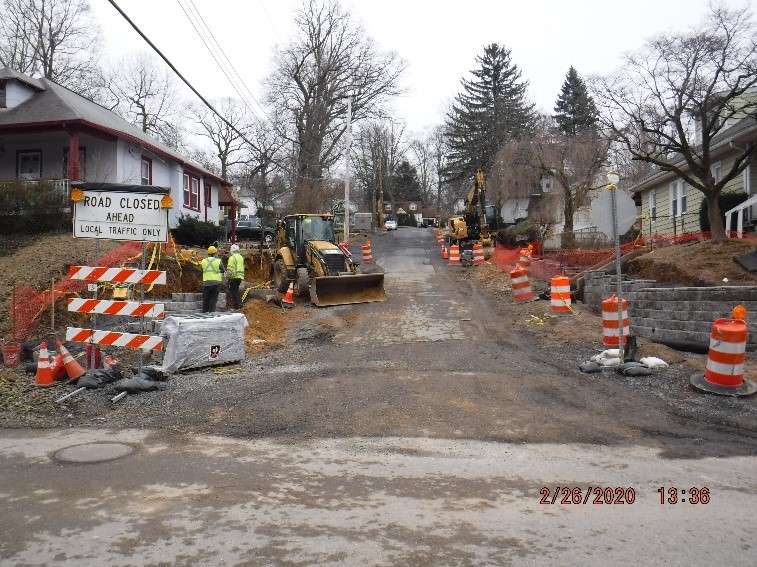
303	282
280	281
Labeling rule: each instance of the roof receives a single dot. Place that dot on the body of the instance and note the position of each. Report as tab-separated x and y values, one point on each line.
55	105
8	73
745	128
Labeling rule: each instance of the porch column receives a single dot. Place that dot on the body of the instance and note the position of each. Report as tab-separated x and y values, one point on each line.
233	222
73	156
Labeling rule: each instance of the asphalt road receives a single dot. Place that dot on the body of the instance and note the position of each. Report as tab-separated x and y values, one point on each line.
419	431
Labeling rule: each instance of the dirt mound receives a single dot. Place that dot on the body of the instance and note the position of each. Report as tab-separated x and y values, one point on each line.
697	264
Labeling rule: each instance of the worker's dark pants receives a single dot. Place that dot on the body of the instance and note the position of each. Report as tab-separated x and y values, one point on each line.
236	299
209	297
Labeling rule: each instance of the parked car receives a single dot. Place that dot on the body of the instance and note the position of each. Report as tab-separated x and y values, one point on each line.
390	225
252	229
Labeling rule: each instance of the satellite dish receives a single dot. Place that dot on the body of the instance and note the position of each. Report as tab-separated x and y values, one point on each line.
601	212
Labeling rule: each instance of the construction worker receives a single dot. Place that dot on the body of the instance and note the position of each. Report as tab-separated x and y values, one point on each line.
212	276
235	272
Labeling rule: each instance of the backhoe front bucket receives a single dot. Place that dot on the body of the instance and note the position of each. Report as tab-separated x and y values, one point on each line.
349	288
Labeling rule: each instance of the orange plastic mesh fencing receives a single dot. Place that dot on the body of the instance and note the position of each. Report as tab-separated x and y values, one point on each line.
574	262
29	305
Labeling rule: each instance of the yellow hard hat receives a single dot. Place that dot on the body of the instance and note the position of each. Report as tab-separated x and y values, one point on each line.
212	250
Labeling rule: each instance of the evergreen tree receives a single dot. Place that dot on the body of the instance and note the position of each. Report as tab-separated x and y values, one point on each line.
575	110
405	183
491	110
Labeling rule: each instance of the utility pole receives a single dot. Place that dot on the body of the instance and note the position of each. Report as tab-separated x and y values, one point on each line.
347	172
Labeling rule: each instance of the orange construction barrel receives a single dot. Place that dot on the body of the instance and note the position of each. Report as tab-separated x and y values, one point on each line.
724	373
560	296
610	321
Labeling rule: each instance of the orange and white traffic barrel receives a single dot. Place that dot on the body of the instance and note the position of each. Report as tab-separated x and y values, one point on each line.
367	258
525	260
610	321
560	296
724	373
521	285
454	255
478	254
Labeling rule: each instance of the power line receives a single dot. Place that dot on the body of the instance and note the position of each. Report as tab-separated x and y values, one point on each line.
175	70
214	49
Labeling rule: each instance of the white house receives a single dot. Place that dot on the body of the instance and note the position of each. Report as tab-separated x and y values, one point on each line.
48	132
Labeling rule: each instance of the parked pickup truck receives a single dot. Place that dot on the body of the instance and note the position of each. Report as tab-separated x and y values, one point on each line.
252	229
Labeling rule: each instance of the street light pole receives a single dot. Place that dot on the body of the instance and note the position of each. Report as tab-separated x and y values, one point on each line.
613	179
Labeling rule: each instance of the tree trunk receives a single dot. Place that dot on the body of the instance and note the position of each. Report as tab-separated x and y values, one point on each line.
568	238
717	229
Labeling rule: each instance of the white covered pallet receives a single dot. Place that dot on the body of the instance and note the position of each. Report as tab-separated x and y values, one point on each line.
204	339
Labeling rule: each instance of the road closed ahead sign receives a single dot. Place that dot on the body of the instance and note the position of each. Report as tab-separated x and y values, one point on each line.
121	213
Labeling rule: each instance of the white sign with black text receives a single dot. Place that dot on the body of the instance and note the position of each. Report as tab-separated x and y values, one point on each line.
120	215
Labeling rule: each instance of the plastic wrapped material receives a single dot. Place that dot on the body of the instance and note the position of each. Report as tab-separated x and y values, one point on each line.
206	339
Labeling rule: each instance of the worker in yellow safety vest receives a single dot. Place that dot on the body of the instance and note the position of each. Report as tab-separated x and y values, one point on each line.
235	272
212	276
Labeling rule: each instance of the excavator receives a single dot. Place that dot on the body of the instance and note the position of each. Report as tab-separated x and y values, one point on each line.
309	257
475	225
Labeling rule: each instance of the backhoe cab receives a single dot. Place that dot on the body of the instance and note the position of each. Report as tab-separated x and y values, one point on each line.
308	256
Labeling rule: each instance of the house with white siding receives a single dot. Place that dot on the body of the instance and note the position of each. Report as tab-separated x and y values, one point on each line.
48	132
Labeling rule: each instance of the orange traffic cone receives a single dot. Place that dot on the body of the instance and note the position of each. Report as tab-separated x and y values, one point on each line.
57	368
288	300
44	375
74	370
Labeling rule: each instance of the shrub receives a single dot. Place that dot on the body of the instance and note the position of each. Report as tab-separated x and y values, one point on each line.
28	207
524	231
726	201
191	231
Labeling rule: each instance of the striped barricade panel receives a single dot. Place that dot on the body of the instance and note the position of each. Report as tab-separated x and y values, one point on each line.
110	338
108	307
121	275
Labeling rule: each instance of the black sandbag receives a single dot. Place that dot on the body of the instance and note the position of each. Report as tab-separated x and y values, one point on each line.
137	383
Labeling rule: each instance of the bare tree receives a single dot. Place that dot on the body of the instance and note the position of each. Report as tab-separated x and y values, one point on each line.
227	136
262	177
422	148
671	101
56	39
144	92
515	174
575	163
380	148
330	61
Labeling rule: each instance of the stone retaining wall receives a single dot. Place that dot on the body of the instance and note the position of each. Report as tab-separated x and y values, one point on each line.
673	314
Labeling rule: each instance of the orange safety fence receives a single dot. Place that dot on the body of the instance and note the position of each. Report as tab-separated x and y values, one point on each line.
575	261
28	304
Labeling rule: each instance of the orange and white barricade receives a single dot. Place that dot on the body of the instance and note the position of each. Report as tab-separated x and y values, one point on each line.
560	296
525	260
724	373
454	255
610	321
521	285
478	254
367	258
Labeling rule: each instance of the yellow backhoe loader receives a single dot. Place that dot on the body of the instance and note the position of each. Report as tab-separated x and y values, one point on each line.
308	256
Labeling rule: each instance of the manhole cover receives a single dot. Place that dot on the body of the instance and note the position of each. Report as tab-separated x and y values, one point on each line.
93	452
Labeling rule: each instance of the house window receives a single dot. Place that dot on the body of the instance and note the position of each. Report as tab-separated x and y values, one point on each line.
82	163
29	164
653	204
387	206
717	172
3	104
413	206
146	168
191	192
678	201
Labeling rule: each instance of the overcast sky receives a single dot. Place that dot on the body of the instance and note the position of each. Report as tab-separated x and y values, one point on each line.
439	40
